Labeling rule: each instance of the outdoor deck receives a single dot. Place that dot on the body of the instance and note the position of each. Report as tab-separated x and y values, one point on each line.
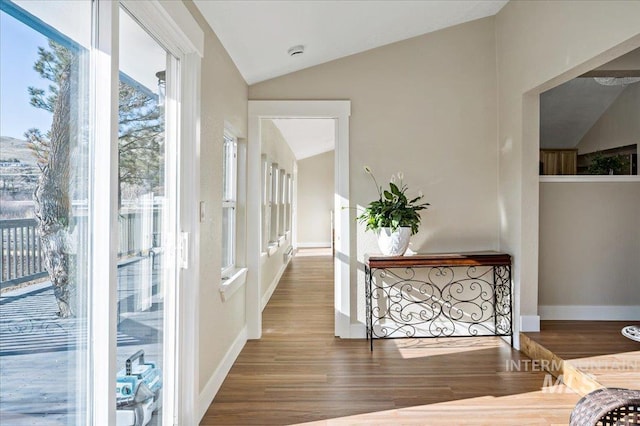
40	353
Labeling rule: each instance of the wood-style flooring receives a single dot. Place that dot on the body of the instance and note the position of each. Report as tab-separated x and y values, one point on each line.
299	372
588	354
583	339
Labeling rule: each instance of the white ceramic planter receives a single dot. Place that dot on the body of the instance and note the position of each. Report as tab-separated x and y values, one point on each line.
393	243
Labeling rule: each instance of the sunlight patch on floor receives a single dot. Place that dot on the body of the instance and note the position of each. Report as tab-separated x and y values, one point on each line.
421	348
551	405
316	251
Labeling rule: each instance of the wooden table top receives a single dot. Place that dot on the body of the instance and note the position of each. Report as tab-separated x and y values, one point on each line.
473	258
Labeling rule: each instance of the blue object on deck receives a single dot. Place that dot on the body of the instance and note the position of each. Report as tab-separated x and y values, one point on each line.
137	391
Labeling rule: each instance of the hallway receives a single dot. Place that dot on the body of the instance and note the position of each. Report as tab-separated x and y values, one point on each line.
299	372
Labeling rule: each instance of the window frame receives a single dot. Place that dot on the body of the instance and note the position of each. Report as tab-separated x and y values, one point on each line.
289	203
274	175
230	200
265	206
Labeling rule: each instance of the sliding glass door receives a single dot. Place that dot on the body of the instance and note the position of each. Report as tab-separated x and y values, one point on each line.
147	222
73	260
44	211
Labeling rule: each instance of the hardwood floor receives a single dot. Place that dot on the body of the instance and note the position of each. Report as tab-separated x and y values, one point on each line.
299	372
581	339
588	354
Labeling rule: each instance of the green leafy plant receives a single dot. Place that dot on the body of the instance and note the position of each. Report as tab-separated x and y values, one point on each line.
604	165
392	209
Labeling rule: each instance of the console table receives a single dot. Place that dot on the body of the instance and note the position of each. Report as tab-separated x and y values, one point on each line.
438	295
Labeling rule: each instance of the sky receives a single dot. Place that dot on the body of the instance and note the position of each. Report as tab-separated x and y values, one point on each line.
18	52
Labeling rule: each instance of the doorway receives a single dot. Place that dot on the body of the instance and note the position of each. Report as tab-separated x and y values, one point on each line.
340	112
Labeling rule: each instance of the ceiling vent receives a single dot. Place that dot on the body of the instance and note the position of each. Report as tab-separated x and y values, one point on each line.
296	50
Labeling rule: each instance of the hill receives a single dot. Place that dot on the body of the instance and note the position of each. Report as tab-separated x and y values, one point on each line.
12	149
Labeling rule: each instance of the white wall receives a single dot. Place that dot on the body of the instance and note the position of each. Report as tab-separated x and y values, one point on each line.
424	106
618	126
540	45
315	200
589	250
278	151
223	99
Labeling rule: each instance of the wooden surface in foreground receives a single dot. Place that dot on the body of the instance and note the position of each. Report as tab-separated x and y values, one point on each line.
299	372
588	354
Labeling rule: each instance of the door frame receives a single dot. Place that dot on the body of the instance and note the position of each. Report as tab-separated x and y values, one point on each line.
179	33
340	111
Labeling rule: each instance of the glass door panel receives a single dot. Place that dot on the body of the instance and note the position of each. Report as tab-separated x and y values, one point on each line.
146	263
44	213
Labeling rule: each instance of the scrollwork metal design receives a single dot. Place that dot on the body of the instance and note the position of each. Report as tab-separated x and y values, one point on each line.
438	301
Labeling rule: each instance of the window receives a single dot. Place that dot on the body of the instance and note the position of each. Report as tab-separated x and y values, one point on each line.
266	197
289	202
45	212
273	204
229	200
281	200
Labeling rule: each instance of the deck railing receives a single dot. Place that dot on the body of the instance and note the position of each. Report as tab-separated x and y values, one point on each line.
21	256
20	252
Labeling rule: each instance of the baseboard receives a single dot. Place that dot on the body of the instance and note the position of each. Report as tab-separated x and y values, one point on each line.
357	331
589	312
530	323
273	285
315	245
215	381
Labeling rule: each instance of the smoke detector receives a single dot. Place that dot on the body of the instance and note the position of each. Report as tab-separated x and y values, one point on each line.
296	50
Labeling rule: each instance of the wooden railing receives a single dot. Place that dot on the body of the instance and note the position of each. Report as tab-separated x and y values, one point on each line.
21	256
20	252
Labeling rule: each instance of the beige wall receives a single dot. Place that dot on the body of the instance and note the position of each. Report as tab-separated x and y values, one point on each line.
278	151
315	200
618	126
589	243
223	98
427	107
541	44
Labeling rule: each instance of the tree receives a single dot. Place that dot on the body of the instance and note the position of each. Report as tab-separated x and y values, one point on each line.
51	196
140	159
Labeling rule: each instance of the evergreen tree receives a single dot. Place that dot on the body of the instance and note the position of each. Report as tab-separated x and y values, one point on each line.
140	157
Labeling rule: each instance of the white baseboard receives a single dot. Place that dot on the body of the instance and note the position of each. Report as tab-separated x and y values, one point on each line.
215	381
357	331
588	312
273	285
315	245
530	323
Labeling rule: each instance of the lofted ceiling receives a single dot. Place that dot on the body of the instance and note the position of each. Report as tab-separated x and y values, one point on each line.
568	111
257	34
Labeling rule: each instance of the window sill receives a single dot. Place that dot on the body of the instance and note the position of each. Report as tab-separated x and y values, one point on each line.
273	247
232	283
590	178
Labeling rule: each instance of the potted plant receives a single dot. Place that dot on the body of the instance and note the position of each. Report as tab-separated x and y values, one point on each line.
605	165
393	216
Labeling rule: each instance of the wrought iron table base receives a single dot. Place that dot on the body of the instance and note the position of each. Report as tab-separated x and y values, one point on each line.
427	296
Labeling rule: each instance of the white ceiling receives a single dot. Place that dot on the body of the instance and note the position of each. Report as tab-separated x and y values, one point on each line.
568	111
307	137
257	34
